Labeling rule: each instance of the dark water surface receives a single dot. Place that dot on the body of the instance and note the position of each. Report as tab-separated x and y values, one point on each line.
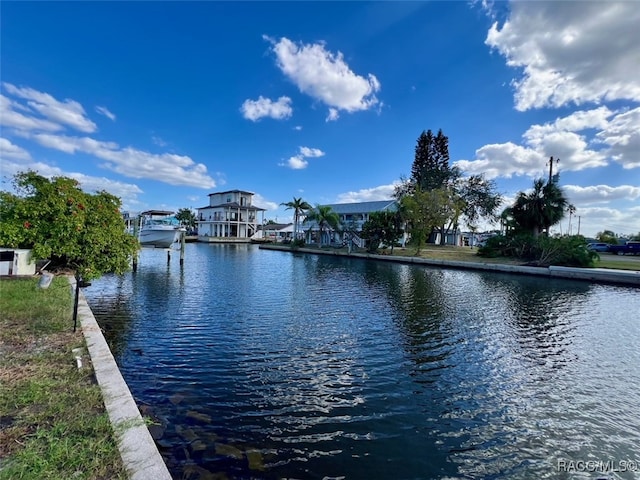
264	364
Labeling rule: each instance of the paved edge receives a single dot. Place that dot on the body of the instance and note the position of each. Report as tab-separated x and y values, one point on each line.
602	275
139	452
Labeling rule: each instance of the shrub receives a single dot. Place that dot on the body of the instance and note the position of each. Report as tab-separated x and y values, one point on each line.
569	251
297	243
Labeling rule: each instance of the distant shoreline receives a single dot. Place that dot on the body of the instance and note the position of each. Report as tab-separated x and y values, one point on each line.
598	275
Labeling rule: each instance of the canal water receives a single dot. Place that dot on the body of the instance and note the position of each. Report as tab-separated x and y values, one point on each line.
261	364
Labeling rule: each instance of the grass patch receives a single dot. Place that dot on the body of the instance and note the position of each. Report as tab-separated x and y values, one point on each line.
52	418
624	264
467	254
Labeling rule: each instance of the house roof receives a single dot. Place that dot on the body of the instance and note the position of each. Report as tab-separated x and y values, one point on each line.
231	191
363	207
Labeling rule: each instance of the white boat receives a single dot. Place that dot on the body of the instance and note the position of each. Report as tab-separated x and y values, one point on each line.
159	229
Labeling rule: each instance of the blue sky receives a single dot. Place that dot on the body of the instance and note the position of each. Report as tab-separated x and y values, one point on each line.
162	103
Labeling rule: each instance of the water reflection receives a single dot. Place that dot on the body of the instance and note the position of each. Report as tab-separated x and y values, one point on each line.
262	364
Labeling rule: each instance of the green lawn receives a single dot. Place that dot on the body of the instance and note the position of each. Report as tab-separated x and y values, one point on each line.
53	422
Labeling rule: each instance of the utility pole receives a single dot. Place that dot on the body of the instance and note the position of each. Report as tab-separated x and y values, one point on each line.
578	224
551	160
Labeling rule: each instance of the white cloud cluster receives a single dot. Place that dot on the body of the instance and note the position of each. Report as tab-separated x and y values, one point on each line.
571	52
10	151
39	117
299	161
69	112
382	192
601	193
254	110
325	76
570	138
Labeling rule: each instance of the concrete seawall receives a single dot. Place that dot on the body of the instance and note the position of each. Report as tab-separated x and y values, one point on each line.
137	448
600	275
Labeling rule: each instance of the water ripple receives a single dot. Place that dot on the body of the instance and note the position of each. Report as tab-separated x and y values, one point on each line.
262	364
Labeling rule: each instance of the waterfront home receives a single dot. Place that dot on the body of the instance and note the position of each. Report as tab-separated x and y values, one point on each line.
229	217
352	217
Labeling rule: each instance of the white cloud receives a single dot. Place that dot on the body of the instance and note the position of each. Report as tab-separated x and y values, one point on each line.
68	112
382	192
297	128
166	167
571	52
503	160
10	151
12	118
601	193
311	152
333	115
325	76
127	192
597	219
260	201
298	162
254	110
105	111
581	140
622	135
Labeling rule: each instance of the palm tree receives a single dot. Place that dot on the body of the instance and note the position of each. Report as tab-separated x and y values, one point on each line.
299	206
571	209
325	217
539	210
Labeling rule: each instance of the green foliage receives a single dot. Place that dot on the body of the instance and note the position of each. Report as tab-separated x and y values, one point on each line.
424	210
187	218
540	209
58	221
325	217
297	243
607	237
471	198
298	206
431	169
382	227
479	197
566	250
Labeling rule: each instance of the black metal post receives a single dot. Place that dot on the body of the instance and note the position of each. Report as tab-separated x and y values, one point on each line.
75	304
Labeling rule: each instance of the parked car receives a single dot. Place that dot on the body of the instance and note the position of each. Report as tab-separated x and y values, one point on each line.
598	247
631	248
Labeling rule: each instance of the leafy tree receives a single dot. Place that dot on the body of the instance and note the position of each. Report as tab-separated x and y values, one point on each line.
299	206
431	169
382	227
325	217
187	218
60	222
635	237
471	198
479	198
424	210
540	209
607	236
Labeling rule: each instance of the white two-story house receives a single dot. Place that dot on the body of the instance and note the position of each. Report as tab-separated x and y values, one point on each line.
230	216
